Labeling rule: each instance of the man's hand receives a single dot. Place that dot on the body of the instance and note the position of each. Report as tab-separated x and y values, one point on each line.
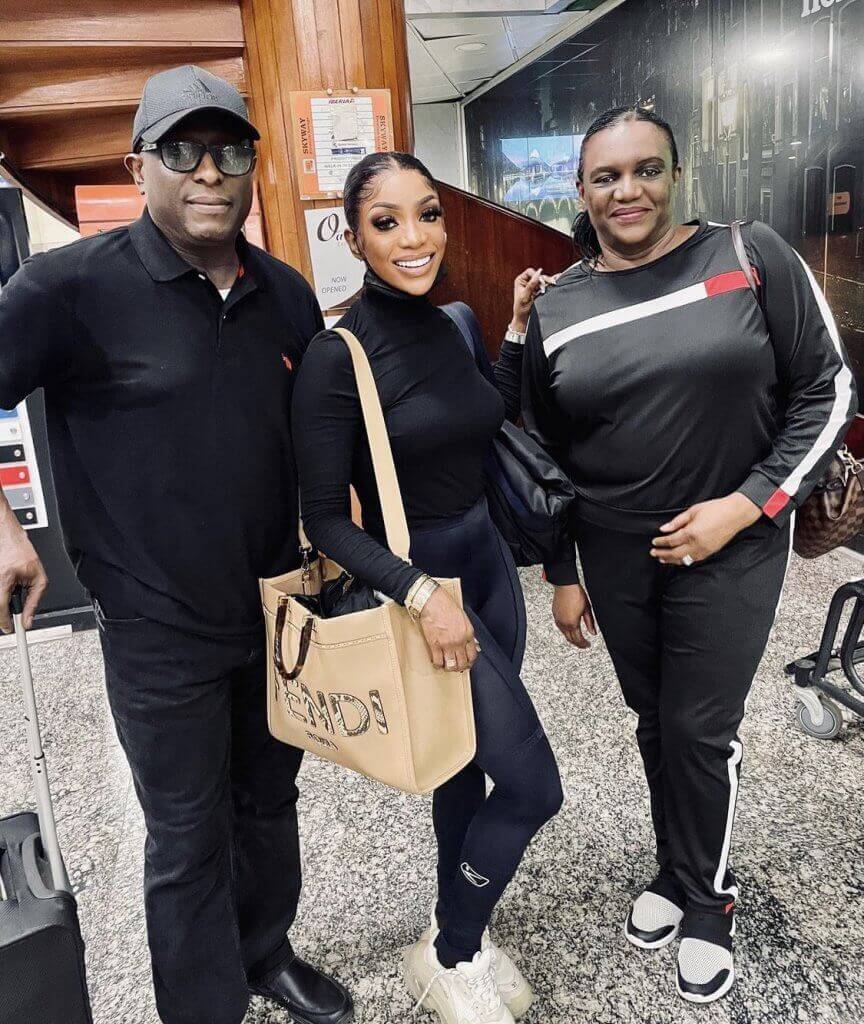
572	612
19	563
702	530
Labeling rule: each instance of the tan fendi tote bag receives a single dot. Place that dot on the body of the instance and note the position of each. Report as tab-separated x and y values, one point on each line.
360	689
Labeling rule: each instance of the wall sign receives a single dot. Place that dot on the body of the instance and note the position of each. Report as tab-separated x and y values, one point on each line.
19	470
337	274
814	6
333	131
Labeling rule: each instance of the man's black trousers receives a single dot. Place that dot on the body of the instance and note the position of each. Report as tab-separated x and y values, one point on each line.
686	643
222	860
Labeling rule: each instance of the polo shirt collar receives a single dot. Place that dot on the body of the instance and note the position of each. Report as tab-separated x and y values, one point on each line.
163	263
161	260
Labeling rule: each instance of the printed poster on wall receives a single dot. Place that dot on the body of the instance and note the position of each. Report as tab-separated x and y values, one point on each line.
333	131
337	275
19	470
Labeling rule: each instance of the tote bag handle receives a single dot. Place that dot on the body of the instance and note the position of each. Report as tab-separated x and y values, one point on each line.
389	494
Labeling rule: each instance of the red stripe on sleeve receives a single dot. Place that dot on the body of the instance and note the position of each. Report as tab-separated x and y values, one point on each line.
729	282
776	503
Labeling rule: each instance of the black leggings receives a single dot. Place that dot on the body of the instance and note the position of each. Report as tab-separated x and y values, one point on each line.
686	643
481	839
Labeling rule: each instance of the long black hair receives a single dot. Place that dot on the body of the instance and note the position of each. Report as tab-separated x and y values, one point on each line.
584	235
360	182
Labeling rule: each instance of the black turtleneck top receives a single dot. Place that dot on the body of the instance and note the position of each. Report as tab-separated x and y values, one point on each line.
441	413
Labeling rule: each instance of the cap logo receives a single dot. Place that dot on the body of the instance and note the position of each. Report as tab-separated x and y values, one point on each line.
196	92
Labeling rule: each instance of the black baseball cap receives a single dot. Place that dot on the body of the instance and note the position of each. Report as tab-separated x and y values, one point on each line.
171	95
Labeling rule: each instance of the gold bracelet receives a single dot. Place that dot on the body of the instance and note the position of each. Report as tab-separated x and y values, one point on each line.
412	590
419	596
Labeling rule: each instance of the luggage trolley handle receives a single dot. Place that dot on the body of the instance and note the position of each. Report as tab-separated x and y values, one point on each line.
44	806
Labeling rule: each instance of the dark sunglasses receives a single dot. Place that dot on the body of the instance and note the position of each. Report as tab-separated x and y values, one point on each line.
232	158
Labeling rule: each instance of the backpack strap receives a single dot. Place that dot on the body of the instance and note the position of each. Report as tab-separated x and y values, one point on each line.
466	320
743	258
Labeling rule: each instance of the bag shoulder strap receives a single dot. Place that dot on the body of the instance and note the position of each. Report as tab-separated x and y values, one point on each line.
389	494
465	319
743	258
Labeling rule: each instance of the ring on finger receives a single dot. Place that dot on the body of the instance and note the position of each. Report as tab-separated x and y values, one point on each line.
449	663
687	560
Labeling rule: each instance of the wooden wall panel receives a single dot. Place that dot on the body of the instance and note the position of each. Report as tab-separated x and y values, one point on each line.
487	247
107	21
83	141
373	60
352	34
315	45
83	86
273	70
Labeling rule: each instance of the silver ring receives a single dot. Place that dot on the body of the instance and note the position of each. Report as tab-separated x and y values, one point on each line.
449	663
687	560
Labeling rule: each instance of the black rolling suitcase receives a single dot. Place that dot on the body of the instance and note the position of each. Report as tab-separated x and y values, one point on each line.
42	979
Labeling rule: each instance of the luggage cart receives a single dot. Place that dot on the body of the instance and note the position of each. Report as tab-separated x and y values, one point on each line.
820	702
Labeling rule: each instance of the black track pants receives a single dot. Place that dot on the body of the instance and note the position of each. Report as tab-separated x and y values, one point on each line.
481	839
686	643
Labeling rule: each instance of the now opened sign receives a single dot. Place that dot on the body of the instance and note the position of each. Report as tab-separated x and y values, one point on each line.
338	275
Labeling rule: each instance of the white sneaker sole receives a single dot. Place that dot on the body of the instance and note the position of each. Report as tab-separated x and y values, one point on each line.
692	997
415	986
520	1001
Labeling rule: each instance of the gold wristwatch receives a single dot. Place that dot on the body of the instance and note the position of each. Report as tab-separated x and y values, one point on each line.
421	590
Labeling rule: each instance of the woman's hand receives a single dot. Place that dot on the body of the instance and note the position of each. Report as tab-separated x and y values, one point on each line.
572	613
703	529
526	287
448	632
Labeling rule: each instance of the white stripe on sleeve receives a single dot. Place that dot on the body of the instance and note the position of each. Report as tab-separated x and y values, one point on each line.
842	395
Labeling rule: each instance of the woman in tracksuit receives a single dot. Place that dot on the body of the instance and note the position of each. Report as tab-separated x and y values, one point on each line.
693	420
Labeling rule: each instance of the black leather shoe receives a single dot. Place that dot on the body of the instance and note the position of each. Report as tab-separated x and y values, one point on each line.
309	995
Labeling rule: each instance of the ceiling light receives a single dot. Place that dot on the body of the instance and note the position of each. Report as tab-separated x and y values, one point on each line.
471	47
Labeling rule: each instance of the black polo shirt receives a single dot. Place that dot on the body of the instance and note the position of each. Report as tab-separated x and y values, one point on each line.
168	419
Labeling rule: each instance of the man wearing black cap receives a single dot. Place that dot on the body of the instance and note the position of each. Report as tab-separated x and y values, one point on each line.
167	352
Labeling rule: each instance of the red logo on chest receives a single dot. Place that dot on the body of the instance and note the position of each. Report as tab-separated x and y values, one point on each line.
289	365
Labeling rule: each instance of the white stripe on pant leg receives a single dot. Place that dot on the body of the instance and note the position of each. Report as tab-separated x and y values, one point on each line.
732	765
738	752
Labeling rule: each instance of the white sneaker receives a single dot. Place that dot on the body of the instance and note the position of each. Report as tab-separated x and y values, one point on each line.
512	984
464	994
706	970
653	921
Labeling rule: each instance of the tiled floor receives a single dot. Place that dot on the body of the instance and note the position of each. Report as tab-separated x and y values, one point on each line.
369	851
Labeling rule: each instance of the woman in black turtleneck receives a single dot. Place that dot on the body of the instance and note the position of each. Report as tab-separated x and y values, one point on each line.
441	413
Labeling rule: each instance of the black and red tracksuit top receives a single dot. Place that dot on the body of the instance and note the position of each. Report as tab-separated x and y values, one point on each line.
669	384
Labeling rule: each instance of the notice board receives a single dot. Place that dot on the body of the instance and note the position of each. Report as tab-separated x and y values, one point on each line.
332	131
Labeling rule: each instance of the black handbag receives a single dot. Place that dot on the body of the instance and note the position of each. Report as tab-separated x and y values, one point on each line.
529	495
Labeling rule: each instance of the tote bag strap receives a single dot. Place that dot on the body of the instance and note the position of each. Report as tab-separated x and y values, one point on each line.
392	508
389	494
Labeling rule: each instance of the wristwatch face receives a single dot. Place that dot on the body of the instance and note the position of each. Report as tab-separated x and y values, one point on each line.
515	337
